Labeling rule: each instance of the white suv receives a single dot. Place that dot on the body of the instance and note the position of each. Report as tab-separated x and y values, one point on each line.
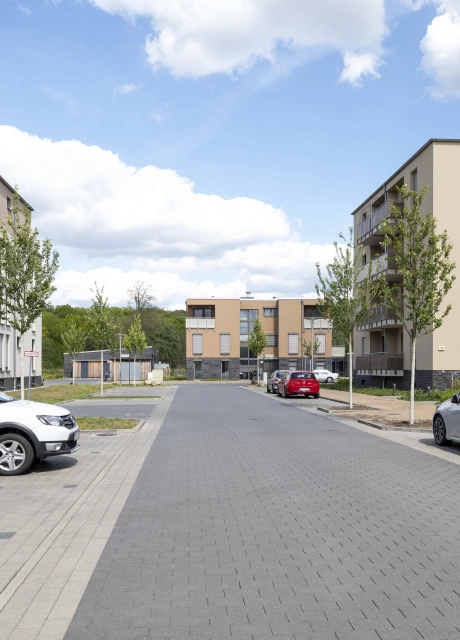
33	430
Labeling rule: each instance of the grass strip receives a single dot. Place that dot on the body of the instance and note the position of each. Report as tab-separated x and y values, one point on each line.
102	424
58	394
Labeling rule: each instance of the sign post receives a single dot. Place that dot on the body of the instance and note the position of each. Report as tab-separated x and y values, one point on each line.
30	355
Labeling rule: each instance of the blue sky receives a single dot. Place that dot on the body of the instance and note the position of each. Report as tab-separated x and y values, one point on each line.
270	111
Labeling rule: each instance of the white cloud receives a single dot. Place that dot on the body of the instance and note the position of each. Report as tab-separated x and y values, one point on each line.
359	65
441	50
150	224
195	38
126	88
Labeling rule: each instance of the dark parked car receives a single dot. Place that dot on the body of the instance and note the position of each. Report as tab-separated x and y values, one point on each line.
275	377
299	383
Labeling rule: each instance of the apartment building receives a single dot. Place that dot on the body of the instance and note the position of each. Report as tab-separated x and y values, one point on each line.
218	333
10	363
382	346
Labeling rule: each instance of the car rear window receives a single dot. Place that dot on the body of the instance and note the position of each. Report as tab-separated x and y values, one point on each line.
297	376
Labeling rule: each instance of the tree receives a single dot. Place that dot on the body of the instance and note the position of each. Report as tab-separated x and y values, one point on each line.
257	342
342	298
28	268
310	350
422	257
140	295
135	341
74	341
100	326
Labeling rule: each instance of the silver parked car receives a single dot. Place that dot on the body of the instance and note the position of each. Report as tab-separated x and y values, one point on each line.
275	377
446	421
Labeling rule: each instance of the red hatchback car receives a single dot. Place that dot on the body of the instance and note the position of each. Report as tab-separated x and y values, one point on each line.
300	383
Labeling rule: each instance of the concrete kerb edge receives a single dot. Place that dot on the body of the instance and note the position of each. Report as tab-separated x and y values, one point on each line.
368	423
95	432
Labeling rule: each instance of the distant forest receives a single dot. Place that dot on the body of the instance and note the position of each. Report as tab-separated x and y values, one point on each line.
164	330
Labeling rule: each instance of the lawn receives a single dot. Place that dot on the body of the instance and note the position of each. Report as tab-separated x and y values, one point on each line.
101	424
57	394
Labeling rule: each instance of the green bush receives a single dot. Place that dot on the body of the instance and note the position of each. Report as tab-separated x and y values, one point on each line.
434	395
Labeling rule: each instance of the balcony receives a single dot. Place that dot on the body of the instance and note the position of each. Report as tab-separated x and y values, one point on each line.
316	323
338	352
384	264
200	323
380	364
370	226
381	317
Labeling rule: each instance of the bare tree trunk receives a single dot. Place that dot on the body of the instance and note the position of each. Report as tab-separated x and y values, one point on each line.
257	369
134	372
350	359
412	382
21	355
73	372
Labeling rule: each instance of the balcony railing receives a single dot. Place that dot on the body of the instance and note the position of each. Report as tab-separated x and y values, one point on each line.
200	323
381	317
383	263
371	223
381	363
338	352
317	323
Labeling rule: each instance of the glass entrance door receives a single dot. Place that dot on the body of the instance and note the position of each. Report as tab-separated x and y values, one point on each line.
197	370
225	370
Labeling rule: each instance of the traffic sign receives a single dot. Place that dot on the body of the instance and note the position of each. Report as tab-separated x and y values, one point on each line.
31	354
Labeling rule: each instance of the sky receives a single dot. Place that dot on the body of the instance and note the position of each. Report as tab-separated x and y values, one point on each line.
209	147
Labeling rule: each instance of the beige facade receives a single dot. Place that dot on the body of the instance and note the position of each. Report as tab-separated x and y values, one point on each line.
218	330
10	362
382	346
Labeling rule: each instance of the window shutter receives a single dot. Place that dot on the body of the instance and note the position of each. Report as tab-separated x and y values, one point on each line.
321	340
225	344
293	343
197	344
272	339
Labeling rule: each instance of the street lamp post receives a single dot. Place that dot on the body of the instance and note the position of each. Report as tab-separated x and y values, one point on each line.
120	335
312	323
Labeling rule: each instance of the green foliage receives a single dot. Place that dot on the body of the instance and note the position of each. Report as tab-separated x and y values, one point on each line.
99	320
422	257
309	349
341	298
135	341
74	340
257	339
28	268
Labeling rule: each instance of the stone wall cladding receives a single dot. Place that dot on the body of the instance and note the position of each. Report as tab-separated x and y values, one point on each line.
211	368
7	384
423	379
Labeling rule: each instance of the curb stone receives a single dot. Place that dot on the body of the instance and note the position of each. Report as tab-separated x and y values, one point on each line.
397	429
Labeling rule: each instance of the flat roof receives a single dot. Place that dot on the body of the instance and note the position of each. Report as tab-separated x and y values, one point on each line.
382	186
12	189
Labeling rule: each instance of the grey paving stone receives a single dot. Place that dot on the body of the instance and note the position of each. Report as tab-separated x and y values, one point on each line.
291	526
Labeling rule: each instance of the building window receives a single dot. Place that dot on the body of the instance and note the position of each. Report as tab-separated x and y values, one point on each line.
8	203
18	343
292	365
202	312
270	312
272	339
320	338
197	344
414	180
225	370
363	346
247	317
225	344
320	364
293	343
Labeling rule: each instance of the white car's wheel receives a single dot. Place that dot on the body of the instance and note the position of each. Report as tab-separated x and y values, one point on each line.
329	379
16	454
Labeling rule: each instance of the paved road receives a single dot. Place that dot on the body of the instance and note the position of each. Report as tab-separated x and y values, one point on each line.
254	519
